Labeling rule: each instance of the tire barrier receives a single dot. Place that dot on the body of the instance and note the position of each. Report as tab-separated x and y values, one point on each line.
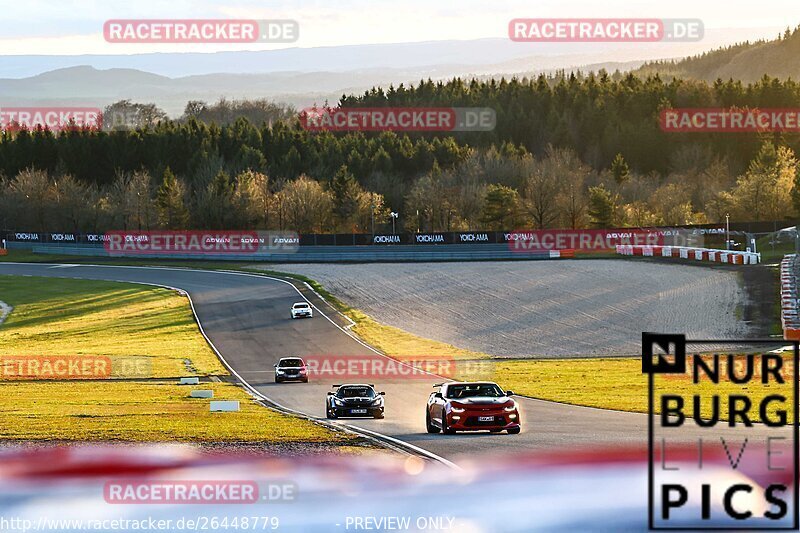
790	303
699	254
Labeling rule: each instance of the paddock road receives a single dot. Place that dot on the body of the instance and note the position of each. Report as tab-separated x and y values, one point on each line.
246	317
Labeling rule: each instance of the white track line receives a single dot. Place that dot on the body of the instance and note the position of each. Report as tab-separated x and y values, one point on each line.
354	429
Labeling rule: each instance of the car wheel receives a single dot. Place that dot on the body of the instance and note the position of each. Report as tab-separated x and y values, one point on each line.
305	380
277	380
495	430
329	413
430	427
514	431
379	417
445	428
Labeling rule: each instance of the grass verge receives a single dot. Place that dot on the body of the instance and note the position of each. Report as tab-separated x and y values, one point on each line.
75	317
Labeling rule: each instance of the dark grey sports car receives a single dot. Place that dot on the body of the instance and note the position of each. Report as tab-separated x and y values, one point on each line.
354	400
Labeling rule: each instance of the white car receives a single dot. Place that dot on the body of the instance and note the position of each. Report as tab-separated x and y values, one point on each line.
302	309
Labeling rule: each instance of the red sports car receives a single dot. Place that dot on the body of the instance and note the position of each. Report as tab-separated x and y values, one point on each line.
460	406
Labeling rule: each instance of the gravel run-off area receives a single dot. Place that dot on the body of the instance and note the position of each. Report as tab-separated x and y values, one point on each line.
541	308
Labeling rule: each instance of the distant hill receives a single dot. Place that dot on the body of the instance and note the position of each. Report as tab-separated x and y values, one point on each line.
304	76
747	61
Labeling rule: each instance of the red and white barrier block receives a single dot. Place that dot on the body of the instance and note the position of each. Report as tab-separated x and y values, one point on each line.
560	254
699	254
790	304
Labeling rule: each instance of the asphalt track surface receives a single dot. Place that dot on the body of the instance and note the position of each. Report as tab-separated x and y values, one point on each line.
246	317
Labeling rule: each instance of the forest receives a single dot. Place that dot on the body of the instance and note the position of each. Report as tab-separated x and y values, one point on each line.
569	151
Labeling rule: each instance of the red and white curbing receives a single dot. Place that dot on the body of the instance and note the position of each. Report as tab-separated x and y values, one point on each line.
683	252
789	298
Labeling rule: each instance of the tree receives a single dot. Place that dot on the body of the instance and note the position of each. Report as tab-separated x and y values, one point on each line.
31	193
601	207
432	202
346	192
558	174
764	192
127	115
671	205
620	170
171	202
305	205
74	204
253	201
502	208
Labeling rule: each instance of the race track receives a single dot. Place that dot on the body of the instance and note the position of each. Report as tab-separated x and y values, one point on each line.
524	309
246	317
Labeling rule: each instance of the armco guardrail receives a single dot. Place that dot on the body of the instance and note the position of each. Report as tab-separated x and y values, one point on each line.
700	254
544	239
326	254
790	304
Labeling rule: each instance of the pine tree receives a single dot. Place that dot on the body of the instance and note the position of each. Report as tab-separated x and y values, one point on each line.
172	211
501	210
601	207
345	191
620	170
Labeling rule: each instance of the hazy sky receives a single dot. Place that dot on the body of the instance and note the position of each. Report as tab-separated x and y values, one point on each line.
75	26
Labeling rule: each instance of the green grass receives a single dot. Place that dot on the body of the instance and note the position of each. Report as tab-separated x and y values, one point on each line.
63	317
618	383
144	412
82	317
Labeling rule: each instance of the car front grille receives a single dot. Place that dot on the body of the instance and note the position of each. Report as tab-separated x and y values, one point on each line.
474	422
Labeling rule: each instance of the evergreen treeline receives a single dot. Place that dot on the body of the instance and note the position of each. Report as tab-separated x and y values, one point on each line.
746	61
569	151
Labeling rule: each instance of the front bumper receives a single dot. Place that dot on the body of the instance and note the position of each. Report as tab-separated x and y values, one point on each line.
304	314
471	420
348	411
291	377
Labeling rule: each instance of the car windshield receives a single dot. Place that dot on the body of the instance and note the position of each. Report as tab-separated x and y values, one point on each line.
474	389
356	392
300	306
291	363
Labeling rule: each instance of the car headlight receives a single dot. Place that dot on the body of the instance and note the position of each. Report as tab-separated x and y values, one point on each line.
457	409
337	401
510	409
279	371
377	401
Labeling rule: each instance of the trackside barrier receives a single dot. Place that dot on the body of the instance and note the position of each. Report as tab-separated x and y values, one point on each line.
334	254
789	297
698	254
224	406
